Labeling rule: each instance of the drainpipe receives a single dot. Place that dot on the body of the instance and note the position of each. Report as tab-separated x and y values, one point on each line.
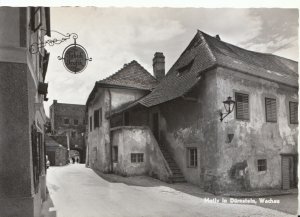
110	146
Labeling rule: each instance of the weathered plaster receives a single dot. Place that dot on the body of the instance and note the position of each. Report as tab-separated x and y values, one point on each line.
254	139
138	140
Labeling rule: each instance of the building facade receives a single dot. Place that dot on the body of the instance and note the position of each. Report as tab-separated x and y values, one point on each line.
142	156
69	120
22	119
255	147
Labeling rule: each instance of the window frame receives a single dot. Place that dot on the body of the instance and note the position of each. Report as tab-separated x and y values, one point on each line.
262	165
191	159
137	157
115	154
91	123
236	107
76	122
96	118
35	13
266	109
68	120
292	121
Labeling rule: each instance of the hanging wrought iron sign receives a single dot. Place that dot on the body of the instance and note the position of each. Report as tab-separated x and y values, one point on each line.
75	57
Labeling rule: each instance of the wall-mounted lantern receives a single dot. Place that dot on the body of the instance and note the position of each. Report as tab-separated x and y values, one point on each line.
229	106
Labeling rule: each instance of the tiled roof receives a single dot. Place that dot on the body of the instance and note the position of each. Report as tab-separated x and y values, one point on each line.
50	142
205	52
263	65
132	75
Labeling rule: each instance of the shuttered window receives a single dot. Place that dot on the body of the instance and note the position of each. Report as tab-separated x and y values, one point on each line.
242	106
96	119
293	112
271	115
91	123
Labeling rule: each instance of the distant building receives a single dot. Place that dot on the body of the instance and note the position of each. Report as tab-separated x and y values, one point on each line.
22	115
57	153
69	119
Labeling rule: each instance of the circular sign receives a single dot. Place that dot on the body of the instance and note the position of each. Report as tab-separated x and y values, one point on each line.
75	58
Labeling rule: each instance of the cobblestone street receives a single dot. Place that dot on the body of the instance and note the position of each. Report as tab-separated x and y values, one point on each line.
77	191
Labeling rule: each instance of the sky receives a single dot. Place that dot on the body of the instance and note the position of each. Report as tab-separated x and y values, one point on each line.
115	36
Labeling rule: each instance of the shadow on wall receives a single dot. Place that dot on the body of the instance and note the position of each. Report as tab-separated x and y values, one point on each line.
48	209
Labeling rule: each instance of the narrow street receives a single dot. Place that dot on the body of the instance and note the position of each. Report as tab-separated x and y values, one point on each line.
77	191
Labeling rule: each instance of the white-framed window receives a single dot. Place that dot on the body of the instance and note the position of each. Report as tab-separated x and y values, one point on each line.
137	157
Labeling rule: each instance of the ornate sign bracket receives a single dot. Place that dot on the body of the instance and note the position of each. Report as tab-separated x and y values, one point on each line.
74	56
35	47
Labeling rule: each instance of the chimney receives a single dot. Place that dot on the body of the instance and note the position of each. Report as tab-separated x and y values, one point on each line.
159	65
218	37
54	101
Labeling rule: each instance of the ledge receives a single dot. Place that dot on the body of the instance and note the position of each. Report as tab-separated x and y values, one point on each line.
129	128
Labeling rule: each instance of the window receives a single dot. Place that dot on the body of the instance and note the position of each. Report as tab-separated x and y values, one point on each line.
192	157
97	118
76	122
271	115
66	121
242	106
293	112
115	153
91	123
185	69
73	134
137	157
100	116
35	18
261	165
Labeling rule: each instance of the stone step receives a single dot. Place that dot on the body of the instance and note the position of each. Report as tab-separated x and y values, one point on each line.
178	179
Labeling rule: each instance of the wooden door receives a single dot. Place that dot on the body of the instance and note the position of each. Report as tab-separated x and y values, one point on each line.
288	168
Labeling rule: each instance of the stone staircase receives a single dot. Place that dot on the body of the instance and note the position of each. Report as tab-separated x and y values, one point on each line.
177	174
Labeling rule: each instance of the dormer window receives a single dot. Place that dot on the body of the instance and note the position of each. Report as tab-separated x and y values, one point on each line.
185	69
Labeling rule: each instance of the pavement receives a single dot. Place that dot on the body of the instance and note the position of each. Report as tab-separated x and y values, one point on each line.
77	191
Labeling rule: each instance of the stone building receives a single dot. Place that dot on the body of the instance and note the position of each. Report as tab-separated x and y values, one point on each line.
69	120
22	115
140	154
56	152
255	147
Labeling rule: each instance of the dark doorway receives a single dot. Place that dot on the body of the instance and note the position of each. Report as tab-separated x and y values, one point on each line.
155	125
289	171
51	157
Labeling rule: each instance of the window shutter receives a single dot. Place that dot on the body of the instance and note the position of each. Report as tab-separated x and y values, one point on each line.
100	116
271	115
293	112
32	18
242	106
96	119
